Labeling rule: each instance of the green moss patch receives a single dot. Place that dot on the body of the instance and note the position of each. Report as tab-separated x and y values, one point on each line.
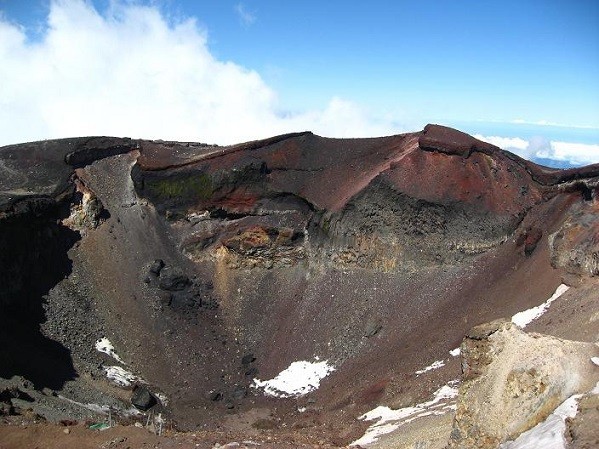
198	186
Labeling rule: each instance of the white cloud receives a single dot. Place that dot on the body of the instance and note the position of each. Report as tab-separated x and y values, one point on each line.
245	17
505	142
576	153
520	121
129	72
539	147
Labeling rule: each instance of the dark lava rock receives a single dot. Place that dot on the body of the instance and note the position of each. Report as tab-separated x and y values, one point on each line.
165	298
216	396
239	393
14	393
209	303
6	408
247	359
172	279
181	300
142	398
251	372
157	266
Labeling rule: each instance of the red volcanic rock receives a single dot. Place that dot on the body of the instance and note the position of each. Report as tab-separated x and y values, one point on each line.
451	141
529	238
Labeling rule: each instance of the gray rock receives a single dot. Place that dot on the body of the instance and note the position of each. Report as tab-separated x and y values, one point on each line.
142	398
157	266
216	396
372	328
247	359
172	279
239	393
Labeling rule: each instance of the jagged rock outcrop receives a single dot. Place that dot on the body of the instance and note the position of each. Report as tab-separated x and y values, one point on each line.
575	246
513	380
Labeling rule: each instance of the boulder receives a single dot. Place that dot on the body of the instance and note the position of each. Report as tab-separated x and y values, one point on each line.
172	279
247	359
142	398
239	392
216	396
156	267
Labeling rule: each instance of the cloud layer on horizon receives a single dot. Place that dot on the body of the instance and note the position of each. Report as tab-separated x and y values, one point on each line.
129	72
540	148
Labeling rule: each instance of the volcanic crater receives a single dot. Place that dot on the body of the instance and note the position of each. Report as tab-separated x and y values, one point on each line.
171	279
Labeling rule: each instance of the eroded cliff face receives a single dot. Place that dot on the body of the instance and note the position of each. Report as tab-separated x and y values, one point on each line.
375	203
207	267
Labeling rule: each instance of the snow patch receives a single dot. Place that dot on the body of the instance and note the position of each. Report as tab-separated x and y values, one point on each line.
595	360
121	376
299	379
104	345
455	352
435	365
550	433
102	409
389	420
162	398
522	319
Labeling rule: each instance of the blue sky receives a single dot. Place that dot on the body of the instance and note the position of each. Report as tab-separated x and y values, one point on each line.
501	70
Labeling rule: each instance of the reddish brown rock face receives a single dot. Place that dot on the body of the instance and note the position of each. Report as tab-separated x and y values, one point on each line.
376	255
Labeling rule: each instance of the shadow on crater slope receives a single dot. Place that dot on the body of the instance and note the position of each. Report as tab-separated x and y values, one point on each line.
34	259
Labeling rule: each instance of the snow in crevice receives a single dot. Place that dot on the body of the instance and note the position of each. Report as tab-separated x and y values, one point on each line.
550	433
388	420
121	376
102	409
105	346
455	352
435	365
298	379
524	318
118	375
162	398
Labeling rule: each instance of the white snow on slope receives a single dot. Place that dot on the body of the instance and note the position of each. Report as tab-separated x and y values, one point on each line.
455	352
435	365
121	376
104	345
550	433
102	409
522	319
162	398
389	420
299	379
